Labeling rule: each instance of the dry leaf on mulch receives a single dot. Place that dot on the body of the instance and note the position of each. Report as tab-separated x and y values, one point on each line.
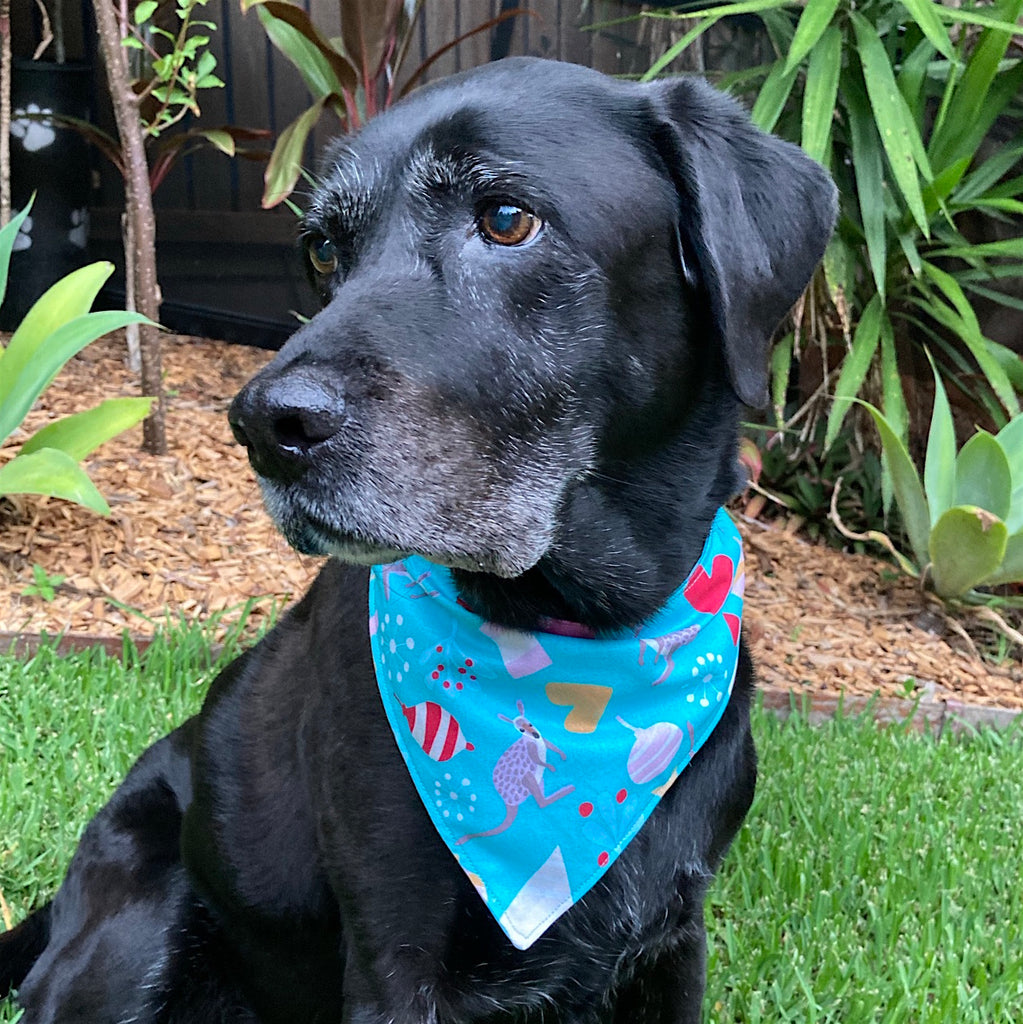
188	536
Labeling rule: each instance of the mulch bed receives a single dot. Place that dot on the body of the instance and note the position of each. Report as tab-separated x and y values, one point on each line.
188	537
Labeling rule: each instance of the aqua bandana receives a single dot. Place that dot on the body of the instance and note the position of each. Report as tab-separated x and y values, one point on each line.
540	755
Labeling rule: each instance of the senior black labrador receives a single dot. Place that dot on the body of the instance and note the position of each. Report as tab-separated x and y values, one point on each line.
546	295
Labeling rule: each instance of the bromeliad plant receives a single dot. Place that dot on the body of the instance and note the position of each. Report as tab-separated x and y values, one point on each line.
895	98
964	519
57	327
353	75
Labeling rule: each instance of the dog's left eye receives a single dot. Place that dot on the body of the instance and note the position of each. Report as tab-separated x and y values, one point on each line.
323	255
505	224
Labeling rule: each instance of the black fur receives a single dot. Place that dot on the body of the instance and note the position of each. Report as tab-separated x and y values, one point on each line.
557	422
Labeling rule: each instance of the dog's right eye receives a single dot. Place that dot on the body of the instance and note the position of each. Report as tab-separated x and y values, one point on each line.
505	224
323	255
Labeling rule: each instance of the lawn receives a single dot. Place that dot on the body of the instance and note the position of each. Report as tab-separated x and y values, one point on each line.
877	877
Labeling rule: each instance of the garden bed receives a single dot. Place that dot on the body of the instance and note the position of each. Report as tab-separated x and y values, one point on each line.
188	537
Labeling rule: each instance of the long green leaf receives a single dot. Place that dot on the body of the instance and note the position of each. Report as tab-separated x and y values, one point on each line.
82	433
966	325
1010	188
53	474
707	18
995	104
285	163
781	368
892	116
967	545
706	21
820	92
1011	362
325	71
779	27
909	492
907	236
990	172
983	477
984	271
895	409
974	99
59	347
70	297
868	167
912	79
999	297
854	367
1013	206
1010	248
841	263
937	191
773	96
939	464
8	234
979	349
963	16
925	15
816	17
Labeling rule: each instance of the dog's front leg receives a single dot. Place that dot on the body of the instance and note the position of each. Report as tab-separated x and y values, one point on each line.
667	988
391	993
357	1012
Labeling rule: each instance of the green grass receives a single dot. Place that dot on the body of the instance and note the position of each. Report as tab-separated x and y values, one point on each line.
70	728
877	879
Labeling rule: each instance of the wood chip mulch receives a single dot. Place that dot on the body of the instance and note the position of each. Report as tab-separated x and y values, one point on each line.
188	537
825	620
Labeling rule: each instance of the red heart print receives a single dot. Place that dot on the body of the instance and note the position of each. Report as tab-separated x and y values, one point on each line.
732	621
707	593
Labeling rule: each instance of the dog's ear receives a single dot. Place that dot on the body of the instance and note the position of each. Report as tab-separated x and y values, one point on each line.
755	215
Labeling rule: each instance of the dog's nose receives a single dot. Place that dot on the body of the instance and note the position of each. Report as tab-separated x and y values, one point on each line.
282	420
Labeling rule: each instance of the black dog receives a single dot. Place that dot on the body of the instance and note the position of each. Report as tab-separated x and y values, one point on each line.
546	295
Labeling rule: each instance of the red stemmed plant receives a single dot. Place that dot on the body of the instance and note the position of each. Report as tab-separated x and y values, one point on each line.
354	75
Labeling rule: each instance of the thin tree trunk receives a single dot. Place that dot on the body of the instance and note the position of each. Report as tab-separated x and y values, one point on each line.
131	332
5	111
139	209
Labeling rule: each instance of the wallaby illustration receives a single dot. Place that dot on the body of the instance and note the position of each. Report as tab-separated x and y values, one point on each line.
665	647
518	773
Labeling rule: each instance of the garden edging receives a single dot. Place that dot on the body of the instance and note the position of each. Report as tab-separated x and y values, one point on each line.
923	715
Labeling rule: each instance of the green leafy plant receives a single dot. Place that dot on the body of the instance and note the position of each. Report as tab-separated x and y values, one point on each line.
353	75
57	327
179	73
800	477
43	584
170	68
176	65
895	97
964	518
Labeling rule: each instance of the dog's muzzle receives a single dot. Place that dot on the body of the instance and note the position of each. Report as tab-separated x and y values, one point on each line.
286	420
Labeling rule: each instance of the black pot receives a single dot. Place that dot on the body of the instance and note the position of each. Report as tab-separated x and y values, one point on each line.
53	163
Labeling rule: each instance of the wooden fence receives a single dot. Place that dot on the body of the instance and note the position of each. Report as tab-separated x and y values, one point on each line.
263	90
220	252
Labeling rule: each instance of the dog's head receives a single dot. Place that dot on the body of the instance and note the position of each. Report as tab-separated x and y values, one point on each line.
535	279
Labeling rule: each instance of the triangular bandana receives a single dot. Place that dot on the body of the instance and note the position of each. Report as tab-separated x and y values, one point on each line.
540	755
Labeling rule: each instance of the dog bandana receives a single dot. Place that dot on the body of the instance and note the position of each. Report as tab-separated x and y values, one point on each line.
539	755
